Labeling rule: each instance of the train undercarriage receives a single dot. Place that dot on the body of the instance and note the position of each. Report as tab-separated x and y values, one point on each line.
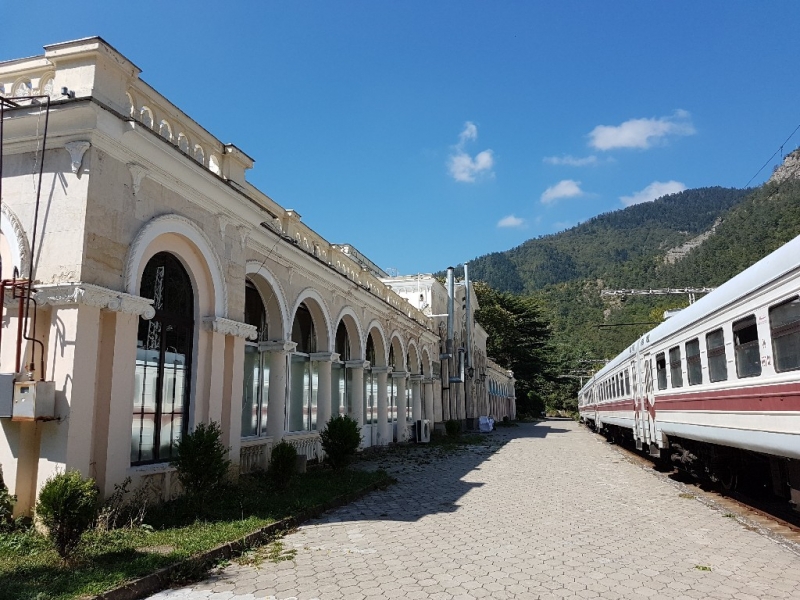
756	475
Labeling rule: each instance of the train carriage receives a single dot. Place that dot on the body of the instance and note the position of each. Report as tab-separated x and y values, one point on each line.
716	387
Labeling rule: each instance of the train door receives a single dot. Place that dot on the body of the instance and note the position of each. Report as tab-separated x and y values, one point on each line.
638	426
648	402
645	398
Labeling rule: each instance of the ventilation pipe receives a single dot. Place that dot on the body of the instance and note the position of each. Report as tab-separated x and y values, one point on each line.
468	315
450	295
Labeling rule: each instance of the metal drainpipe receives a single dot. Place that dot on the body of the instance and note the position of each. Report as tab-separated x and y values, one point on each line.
449	342
468	340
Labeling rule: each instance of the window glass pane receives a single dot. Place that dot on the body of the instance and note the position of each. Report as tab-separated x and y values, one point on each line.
746	351
311	409
717	363
694	369
264	397
675	372
298	397
661	371
391	397
784	322
162	370
250	391
627	383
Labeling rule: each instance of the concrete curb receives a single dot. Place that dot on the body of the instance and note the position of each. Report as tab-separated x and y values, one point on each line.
155	582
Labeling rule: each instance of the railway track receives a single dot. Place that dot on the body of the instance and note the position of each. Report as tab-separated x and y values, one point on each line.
773	518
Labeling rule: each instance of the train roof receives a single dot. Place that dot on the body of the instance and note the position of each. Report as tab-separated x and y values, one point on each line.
773	266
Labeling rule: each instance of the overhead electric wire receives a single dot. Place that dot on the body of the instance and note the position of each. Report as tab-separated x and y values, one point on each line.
773	156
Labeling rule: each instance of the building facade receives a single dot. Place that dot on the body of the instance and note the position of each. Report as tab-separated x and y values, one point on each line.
168	291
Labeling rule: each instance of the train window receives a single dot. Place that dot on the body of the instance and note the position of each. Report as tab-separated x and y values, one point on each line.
661	371
627	382
694	369
717	364
784	324
675	372
745	344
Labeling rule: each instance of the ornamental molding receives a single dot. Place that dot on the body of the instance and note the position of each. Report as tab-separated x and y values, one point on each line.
173	223
88	294
138	173
76	151
20	249
417	378
357	364
381	370
230	327
399	374
324	356
278	346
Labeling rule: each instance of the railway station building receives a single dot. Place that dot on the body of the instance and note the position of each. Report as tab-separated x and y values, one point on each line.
149	287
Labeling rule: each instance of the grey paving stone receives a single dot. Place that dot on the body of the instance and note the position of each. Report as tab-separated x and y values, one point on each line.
541	511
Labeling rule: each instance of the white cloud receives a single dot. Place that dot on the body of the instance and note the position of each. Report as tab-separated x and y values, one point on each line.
653	191
641	133
572	161
566	188
464	167
510	221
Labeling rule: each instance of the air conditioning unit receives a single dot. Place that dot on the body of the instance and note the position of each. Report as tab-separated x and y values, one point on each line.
422	431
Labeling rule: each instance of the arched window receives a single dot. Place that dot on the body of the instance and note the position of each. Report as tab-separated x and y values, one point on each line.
256	367
370	387
391	393
341	378
163	361
303	396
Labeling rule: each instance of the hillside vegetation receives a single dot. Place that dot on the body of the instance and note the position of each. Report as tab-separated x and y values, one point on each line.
564	273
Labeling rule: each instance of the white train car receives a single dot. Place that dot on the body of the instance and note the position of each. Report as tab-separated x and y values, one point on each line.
717	386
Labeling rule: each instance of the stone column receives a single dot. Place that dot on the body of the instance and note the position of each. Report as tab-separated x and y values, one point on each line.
357	392
278	376
324	401
400	385
416	397
427	390
384	436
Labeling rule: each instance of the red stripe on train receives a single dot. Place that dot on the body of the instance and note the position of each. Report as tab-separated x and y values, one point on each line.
772	398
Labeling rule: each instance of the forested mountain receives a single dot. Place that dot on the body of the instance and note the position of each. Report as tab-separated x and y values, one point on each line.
617	247
636	248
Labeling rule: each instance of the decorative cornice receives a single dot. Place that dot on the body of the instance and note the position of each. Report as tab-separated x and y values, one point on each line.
65	294
399	374
417	378
278	346
324	356
381	370
230	327
76	151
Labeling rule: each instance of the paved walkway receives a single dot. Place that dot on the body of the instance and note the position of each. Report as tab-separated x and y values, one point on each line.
541	511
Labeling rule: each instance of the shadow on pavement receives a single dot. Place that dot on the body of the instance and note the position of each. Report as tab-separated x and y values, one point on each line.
432	479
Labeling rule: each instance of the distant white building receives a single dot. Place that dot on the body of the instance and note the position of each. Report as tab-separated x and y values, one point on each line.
168	291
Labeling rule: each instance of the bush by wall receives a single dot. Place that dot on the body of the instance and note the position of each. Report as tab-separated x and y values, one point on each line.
340	440
282	464
453	428
202	461
7	502
67	506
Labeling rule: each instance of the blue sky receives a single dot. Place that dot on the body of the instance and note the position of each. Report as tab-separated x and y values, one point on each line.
427	133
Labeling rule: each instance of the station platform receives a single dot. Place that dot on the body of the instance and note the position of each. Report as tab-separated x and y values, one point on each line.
544	510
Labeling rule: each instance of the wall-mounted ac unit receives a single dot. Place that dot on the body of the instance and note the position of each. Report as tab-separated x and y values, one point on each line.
422	431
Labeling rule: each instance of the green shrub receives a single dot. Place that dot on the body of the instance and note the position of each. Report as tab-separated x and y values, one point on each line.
453	428
282	464
340	440
67	506
201	461
7	502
